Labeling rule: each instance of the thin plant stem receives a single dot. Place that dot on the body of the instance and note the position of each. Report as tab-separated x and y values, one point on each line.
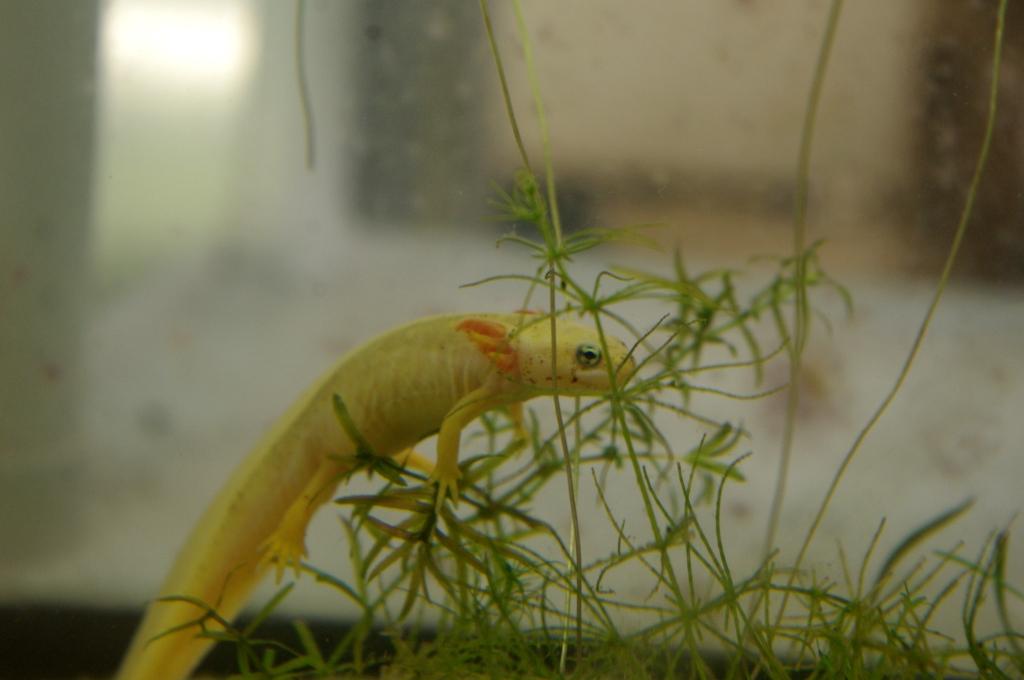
305	102
940	289
542	125
554	240
798	338
574	536
506	97
577	544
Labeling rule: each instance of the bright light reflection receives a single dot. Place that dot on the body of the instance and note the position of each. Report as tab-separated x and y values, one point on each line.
197	41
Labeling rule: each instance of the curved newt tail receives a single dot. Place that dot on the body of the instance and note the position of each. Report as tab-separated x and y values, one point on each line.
242	535
176	654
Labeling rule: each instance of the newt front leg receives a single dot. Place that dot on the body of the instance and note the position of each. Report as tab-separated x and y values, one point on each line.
466	410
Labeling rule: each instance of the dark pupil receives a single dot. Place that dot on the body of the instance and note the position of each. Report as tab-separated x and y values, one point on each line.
588	355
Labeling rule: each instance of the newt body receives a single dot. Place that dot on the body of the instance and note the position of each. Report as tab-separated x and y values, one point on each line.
435	375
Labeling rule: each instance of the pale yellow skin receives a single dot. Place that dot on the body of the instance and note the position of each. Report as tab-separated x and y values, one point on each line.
435	375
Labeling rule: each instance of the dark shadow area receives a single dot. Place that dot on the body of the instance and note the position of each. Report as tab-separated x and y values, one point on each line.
54	642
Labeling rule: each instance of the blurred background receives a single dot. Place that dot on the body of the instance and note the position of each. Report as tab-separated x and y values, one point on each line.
178	259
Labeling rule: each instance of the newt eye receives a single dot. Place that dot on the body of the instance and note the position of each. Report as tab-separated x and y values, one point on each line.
588	355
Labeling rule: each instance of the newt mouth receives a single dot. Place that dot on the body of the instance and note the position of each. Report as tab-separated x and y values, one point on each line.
596	378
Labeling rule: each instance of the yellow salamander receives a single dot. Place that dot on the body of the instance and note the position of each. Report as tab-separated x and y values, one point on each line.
435	375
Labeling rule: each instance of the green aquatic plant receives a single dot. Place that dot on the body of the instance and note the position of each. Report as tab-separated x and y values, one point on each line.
510	595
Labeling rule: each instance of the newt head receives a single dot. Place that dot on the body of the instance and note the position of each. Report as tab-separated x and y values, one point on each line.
580	360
